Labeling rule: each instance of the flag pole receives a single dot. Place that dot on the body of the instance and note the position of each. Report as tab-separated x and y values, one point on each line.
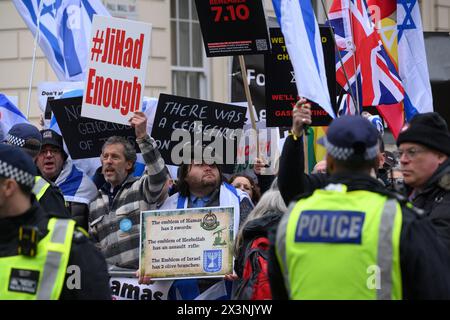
306	152
354	66
339	54
36	37
249	100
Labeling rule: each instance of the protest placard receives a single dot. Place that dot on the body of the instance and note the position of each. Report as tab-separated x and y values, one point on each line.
85	137
117	67
54	90
233	27
281	90
198	118
129	289
187	243
269	150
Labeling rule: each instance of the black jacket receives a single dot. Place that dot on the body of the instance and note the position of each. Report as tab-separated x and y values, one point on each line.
424	260
435	200
255	229
292	181
94	275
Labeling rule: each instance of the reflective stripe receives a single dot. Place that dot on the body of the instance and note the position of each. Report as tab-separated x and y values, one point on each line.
52	266
51	269
281	245
59	231
40	187
385	249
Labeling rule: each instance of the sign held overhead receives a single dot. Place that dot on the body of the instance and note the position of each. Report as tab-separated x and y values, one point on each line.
233	27
117	68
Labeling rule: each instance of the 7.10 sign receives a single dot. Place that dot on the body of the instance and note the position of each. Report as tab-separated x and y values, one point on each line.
233	27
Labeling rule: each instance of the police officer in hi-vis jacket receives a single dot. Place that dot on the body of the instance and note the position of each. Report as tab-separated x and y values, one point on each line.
354	239
42	257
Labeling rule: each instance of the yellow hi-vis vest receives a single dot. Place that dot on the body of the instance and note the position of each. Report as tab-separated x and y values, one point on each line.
40	277
341	245
40	187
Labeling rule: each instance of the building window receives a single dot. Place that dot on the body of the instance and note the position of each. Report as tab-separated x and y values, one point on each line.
189	67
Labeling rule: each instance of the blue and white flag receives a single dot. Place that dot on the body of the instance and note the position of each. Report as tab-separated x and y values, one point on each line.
65	30
75	185
302	37
412	59
9	115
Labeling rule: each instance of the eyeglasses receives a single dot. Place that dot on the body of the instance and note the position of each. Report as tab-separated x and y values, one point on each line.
410	153
52	151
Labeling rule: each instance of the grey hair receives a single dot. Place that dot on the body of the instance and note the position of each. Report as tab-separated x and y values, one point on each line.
271	202
129	150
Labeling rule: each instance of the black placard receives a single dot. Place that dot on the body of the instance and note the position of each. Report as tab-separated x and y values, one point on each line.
233	27
281	91
174	112
85	137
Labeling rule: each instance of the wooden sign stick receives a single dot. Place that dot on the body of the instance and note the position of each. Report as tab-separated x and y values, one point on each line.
249	100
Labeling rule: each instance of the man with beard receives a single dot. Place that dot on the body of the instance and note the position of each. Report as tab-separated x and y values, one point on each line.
201	185
114	215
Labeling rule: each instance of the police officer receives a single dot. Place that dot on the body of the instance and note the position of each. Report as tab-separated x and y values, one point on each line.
41	257
50	197
292	180
353	239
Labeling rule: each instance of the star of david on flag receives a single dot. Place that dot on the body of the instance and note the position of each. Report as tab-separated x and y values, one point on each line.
64	32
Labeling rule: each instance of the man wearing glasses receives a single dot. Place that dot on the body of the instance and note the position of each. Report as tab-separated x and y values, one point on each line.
424	149
55	165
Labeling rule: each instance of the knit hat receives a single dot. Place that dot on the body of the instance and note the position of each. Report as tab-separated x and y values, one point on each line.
428	129
26	136
16	164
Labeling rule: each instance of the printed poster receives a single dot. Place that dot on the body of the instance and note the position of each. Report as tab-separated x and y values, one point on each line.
187	243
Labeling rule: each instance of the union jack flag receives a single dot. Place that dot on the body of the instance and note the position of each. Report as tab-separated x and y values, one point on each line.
373	77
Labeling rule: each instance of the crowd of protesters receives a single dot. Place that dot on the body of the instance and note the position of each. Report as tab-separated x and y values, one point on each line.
317	234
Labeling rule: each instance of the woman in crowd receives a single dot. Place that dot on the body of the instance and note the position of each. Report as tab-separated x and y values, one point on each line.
248	185
253	284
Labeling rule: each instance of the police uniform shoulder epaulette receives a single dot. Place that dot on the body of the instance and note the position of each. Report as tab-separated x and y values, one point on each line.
80	235
417	211
404	202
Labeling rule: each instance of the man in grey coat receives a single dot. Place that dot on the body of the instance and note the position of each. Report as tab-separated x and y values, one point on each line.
114	217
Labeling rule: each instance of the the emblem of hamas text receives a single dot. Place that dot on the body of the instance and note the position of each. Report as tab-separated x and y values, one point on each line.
209	222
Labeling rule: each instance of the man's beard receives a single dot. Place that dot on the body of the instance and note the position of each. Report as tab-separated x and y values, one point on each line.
210	182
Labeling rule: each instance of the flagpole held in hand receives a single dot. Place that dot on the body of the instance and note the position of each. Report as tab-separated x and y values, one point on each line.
36	38
249	100
339	54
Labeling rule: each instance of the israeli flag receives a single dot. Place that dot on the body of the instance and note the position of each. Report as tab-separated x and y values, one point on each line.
412	59
9	116
65	30
75	185
302	37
